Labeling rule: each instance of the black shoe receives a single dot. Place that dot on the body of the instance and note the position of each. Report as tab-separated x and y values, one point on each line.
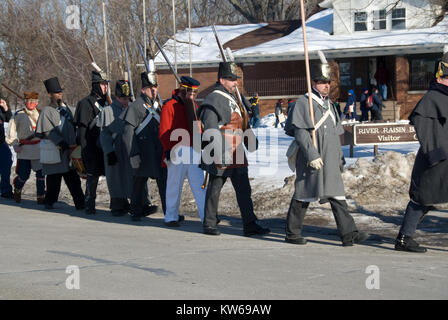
172	224
8	195
117	213
254	229
218	220
49	206
296	241
360	237
149	209
135	217
90	211
354	237
406	243
181	218
211	231
80	207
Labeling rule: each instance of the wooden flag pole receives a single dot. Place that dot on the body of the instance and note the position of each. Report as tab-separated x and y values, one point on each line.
308	76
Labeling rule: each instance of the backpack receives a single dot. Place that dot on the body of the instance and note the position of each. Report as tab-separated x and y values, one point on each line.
369	101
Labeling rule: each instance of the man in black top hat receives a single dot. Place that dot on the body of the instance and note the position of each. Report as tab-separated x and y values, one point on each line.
116	160
220	112
141	140
5	152
88	135
55	124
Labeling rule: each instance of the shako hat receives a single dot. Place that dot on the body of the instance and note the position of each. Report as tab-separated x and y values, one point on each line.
149	79
52	85
189	83
228	70
99	76
122	89
442	67
320	71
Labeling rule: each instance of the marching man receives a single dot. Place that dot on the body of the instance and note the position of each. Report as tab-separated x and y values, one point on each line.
318	175
177	118
141	140
116	161
21	136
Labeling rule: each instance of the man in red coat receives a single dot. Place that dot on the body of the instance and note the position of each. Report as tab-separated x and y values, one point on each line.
176	135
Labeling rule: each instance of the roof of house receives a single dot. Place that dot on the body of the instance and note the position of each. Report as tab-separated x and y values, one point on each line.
245	41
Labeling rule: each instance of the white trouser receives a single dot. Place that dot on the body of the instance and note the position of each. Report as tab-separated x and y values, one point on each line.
175	182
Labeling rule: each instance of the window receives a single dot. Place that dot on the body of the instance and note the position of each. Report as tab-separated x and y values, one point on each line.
345	74
421	71
379	19
360	21
399	19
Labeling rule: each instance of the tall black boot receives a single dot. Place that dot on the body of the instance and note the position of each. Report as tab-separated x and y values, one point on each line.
406	243
294	222
91	185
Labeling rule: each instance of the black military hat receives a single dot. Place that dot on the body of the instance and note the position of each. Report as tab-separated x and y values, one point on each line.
99	76
149	79
122	89
52	85
320	71
189	83
442	67
227	70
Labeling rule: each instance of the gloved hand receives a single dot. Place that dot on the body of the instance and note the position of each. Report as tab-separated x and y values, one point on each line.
317	164
112	158
17	148
63	145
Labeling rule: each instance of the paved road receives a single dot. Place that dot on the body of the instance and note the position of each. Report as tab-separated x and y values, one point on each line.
121	259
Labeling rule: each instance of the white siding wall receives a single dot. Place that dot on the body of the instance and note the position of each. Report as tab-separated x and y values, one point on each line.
419	13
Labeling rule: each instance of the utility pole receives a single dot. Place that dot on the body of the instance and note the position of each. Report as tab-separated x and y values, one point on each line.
105	44
174	38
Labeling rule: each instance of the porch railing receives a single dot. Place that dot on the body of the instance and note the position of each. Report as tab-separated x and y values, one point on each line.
276	87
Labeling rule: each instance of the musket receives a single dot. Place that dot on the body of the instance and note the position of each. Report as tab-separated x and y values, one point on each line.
308	76
149	69
131	87
238	95
166	59
97	68
13	92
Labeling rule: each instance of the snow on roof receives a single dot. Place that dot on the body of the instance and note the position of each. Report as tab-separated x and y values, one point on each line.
319	28
204	47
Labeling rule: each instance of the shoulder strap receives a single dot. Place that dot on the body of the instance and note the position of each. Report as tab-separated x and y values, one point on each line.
232	100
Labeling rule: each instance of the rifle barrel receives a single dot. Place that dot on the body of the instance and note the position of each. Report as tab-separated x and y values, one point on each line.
167	59
13	92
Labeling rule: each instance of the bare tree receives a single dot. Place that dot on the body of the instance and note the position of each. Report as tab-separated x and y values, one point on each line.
272	10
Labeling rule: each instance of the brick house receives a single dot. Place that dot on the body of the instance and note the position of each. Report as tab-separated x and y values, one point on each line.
354	35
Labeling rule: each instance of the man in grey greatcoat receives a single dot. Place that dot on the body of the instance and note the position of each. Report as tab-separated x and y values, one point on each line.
430	173
55	123
318	169
220	112
141	140
116	160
